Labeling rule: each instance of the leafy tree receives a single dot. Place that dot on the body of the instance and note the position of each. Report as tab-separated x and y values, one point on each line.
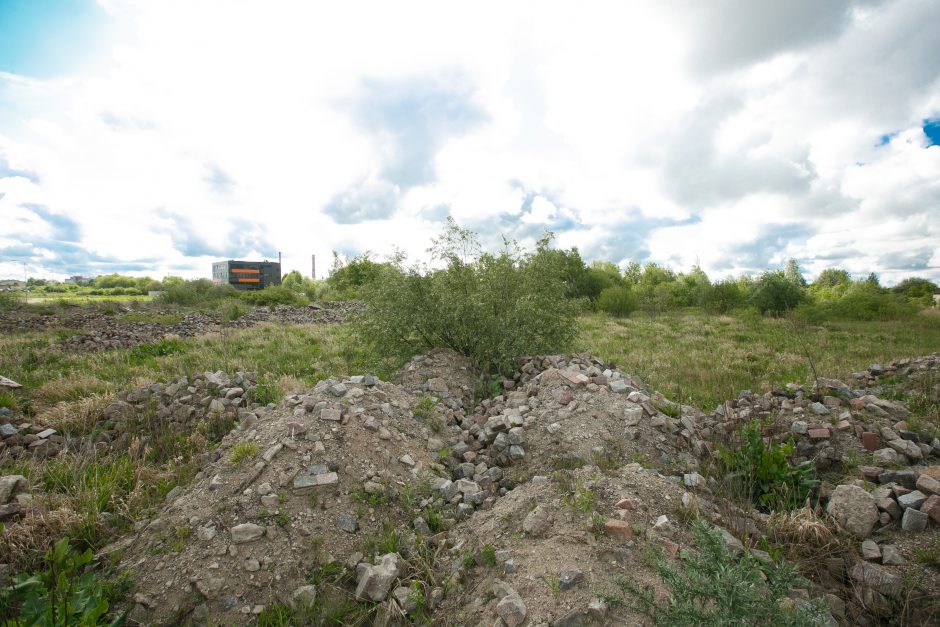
915	287
725	296
492	308
299	284
773	293
793	273
832	277
347	278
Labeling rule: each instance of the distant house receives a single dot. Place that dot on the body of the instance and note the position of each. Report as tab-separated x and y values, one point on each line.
77	280
246	275
936	298
11	284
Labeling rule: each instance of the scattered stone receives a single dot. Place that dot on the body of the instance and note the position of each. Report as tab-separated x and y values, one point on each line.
914	520
912	500
931	507
537	522
569	578
928	485
337	389
854	509
870	440
347	522
890	556
302	597
9	486
315	475
886	457
374	581
871	551
511	609
619	529
876	577
246	532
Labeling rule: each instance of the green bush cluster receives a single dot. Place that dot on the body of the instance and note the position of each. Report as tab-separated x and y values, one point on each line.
65	593
712	586
492	308
762	472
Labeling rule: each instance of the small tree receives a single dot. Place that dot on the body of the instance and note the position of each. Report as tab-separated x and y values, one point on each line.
490	308
773	293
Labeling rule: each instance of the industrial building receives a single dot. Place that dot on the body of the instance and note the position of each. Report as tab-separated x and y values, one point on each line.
246	275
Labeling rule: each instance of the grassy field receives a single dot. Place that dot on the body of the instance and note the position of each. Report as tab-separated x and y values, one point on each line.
704	359
699	358
289	354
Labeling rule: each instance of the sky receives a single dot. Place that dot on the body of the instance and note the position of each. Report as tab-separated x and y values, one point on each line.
152	138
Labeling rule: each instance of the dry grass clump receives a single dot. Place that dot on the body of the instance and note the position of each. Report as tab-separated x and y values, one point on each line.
76	417
803	533
25	541
289	384
68	388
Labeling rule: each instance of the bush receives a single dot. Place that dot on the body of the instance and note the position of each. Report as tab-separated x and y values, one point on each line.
199	292
763	472
773	293
712	586
490	308
617	301
861	301
274	295
60	595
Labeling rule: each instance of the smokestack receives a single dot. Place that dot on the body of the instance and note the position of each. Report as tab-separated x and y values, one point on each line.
278	257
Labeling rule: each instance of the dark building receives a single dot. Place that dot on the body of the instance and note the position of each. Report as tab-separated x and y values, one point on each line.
246	275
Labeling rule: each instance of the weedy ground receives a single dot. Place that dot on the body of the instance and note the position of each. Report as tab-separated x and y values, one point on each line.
705	359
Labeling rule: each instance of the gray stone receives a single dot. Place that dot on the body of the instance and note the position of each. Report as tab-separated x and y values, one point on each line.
537	522
8	430
871	551
799	427
693	480
511	609
618	386
332	414
315	475
886	457
891	556
246	532
405	599
912	500
45	433
914	520
347	522
304	596
875	577
438	385
569	578
337	389
376	580
819	409
854	509
633	415
9	486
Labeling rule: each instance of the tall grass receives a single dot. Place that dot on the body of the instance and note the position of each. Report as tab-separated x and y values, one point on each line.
707	359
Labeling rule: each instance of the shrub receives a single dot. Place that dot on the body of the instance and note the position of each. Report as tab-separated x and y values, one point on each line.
490	308
860	302
194	293
274	295
773	293
60	595
763	473
714	587
617	301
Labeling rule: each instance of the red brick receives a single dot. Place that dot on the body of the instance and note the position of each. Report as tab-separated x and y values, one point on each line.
931	507
618	529
670	547
819	434
870	440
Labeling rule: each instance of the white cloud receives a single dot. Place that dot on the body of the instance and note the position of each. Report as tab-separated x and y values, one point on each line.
732	134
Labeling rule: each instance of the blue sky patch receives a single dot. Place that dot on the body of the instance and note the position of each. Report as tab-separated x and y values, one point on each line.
47	38
932	131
